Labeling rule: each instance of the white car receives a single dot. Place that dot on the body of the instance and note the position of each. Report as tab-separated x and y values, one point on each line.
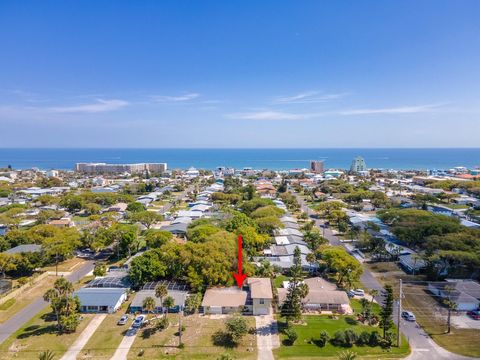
356	292
409	316
138	322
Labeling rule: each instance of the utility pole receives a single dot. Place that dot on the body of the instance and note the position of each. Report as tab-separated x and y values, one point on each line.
399	315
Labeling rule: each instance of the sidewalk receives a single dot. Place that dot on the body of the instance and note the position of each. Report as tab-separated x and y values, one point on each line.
82	340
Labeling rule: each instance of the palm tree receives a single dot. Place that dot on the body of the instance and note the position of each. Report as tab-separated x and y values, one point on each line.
373	293
149	304
46	355
347	355
160	292
450	304
168	303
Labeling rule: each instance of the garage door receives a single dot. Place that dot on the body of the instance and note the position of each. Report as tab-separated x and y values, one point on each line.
261	311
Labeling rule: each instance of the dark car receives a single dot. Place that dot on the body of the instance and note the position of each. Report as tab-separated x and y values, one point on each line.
474	314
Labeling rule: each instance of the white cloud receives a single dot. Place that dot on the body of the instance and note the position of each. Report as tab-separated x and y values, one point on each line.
97	107
266	115
185	97
394	110
308	97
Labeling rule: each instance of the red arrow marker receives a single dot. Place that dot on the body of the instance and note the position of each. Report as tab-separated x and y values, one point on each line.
239	277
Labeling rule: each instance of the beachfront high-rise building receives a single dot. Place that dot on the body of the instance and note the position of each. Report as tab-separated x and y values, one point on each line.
103	168
317	166
358	165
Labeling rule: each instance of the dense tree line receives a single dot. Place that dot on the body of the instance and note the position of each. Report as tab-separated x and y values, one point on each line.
450	248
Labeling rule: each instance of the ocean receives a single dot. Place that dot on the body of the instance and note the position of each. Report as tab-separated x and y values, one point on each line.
276	159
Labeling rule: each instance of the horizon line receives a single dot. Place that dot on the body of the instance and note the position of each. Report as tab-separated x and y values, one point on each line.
241	148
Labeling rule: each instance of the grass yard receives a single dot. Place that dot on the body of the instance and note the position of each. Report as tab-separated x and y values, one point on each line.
107	337
427	310
39	335
67	265
197	338
314	324
277	282
26	298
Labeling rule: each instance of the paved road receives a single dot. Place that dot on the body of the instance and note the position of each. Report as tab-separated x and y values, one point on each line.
267	336
169	205
77	346
423	347
29	311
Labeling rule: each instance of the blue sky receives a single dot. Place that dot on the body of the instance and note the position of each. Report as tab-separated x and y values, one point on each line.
240	74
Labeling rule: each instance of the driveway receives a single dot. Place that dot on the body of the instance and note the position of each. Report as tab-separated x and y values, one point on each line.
29	311
83	338
267	336
124	347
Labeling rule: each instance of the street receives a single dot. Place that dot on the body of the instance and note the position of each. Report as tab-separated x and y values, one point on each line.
423	347
29	311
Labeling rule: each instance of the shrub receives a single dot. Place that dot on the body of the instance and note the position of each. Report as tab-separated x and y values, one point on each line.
292	335
236	327
324	337
388	340
375	338
339	338
22	281
351	337
161	324
364	338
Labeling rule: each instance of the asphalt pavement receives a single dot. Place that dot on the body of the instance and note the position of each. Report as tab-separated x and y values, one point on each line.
32	309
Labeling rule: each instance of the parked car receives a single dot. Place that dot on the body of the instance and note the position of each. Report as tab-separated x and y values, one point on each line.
409	316
474	314
138	322
356	292
123	320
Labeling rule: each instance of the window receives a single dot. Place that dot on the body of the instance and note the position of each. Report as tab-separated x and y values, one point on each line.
262	301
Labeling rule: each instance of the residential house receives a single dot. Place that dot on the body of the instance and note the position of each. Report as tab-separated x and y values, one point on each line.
254	298
177	291
101	300
25	248
412	263
322	296
62	223
464	293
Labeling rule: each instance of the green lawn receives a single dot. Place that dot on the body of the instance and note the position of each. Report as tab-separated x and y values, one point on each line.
39	335
304	348
107	337
277	282
197	338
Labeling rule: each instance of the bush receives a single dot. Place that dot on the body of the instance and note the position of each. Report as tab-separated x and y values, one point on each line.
388	341
292	335
236	327
375	338
351	337
339	338
23	280
364	338
161	324
324	337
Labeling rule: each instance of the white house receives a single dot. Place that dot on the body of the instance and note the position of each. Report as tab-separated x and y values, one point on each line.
101	300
